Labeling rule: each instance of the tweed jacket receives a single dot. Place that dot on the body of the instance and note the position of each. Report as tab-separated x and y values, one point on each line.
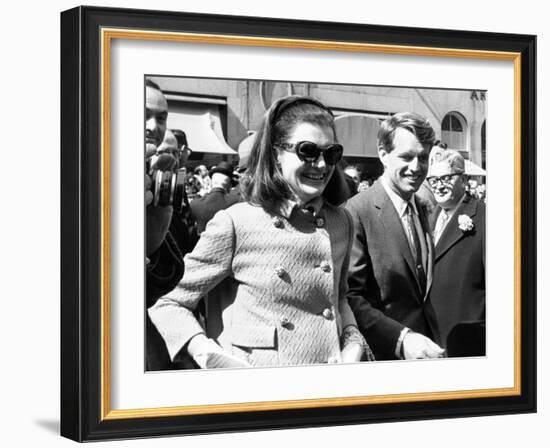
277	286
458	291
384	292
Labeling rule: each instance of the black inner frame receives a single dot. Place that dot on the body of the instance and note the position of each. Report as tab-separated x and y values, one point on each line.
81	223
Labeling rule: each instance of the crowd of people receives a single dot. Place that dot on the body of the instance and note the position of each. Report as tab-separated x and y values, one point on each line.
294	259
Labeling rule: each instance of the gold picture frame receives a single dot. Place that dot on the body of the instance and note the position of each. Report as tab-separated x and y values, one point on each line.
86	189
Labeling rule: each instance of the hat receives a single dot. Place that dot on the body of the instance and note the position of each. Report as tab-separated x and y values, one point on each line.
445	161
224	168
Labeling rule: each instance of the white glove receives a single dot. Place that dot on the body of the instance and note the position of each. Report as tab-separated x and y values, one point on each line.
209	355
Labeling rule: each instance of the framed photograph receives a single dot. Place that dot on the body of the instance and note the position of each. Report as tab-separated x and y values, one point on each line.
283	281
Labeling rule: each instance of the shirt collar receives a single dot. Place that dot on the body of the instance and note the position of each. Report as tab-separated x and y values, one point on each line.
452	211
398	202
287	206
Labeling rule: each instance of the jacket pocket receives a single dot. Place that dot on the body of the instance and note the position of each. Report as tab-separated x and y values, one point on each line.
254	336
256	345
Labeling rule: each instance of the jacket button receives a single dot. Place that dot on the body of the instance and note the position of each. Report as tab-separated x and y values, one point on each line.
284	322
278	222
320	222
280	271
327	314
325	267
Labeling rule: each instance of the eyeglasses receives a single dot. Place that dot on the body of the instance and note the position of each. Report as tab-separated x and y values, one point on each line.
445	180
310	152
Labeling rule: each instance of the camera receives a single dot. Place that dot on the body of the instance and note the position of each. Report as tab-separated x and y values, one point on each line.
168	187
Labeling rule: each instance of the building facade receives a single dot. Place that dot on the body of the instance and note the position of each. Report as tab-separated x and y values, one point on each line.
220	116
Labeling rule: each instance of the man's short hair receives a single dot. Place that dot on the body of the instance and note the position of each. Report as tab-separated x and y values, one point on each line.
199	168
446	161
180	136
419	126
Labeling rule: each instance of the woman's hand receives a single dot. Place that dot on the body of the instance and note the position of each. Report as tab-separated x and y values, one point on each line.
352	352
354	346
209	355
201	344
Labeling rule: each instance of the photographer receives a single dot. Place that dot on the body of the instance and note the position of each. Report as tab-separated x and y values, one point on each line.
163	241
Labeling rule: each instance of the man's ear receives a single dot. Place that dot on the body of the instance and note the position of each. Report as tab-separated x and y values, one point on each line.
382	155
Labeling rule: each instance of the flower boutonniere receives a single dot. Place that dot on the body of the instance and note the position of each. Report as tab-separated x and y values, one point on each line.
465	223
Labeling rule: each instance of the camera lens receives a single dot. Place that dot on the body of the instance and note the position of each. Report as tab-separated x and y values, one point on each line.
168	189
179	191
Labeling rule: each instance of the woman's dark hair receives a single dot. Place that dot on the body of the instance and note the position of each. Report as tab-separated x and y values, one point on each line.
263	183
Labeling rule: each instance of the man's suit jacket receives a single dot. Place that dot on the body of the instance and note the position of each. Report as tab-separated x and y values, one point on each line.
458	290
384	292
204	208
164	272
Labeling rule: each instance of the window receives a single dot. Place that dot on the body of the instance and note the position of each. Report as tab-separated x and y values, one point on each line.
453	131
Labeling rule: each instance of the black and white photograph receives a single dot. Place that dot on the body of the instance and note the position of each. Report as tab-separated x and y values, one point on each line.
292	223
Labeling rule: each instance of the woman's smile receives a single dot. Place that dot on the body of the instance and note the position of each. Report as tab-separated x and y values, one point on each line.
307	180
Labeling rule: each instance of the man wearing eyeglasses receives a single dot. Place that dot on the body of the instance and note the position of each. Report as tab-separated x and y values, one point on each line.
458	290
391	264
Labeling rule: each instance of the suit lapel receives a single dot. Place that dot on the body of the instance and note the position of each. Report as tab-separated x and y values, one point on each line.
452	233
433	218
390	219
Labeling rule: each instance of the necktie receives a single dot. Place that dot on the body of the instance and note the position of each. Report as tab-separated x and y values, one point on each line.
440	225
416	248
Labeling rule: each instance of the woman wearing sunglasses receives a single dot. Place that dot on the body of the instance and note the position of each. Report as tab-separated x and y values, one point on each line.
275	266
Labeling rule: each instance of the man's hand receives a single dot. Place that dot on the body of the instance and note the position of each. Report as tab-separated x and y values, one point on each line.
418	346
158	218
158	222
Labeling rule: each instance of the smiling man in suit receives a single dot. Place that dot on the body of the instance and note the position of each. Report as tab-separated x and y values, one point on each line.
391	266
458	290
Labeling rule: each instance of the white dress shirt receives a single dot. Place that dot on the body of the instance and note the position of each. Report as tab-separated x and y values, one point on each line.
443	219
400	205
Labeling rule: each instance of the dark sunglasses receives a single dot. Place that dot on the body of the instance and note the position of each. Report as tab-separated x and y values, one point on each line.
310	152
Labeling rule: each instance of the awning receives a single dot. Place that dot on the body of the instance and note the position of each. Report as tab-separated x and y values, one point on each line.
245	148
471	169
357	133
204	131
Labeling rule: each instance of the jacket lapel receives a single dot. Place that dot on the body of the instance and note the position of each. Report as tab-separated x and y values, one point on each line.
390	219
452	234
433	218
